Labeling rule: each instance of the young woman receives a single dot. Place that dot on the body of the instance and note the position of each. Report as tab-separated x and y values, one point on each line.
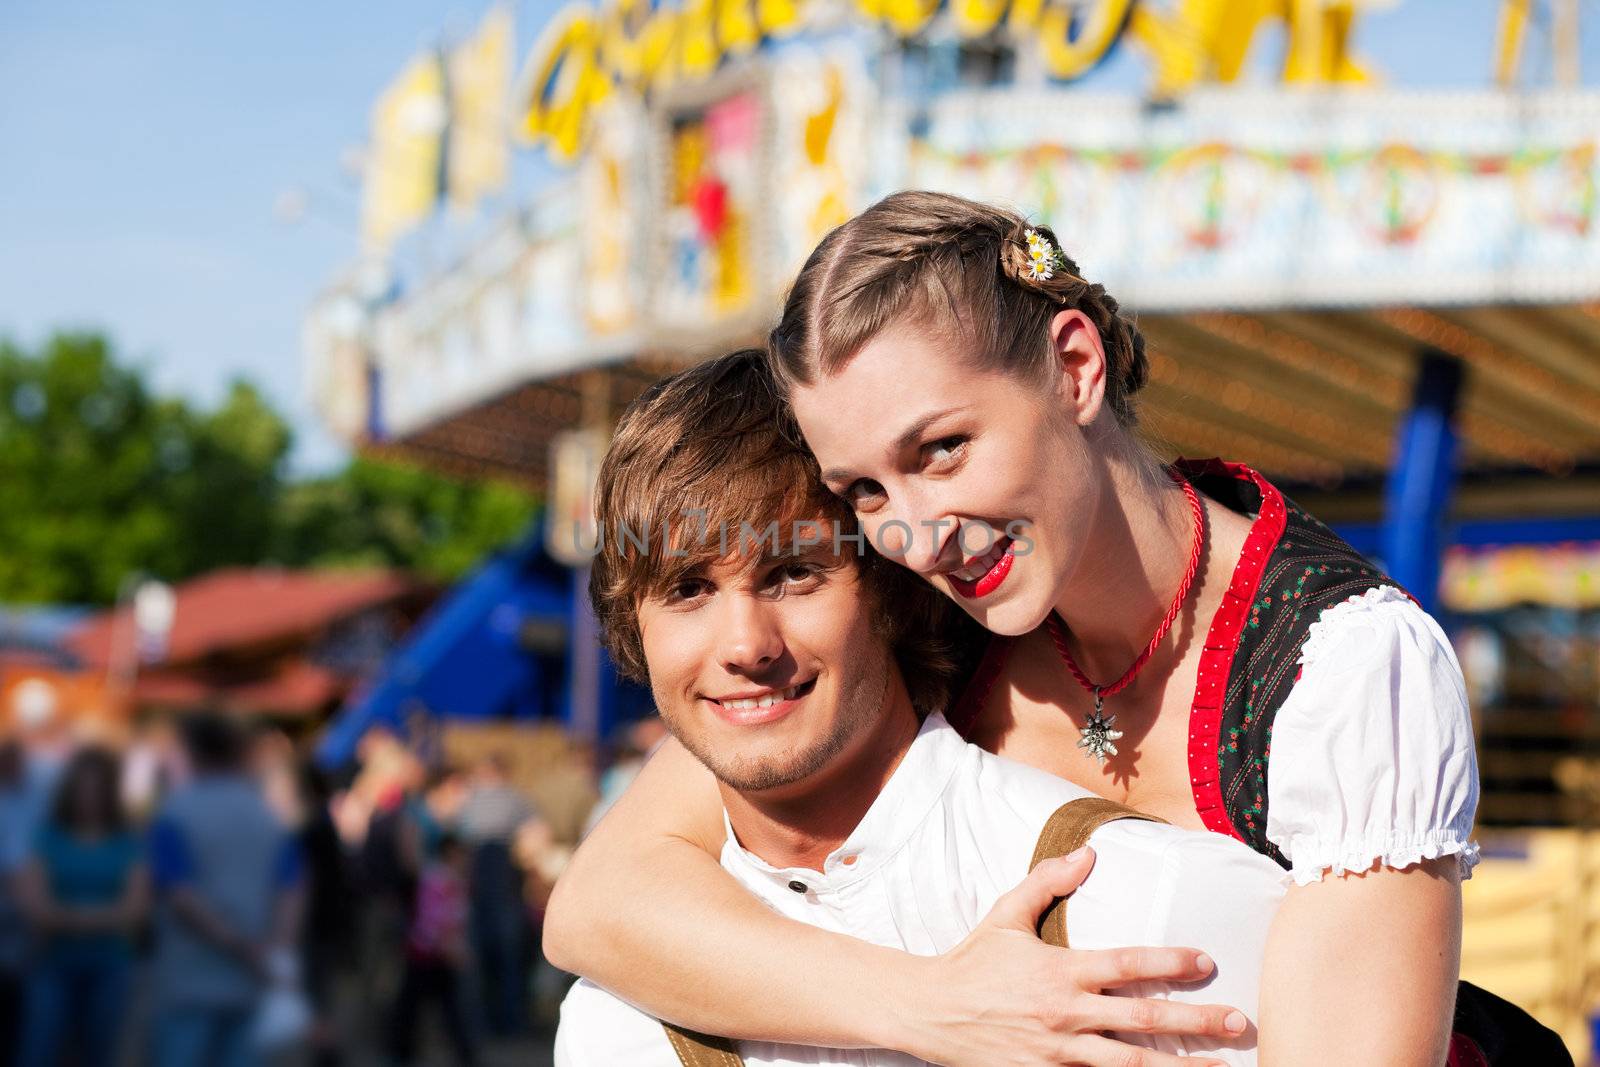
1163	636
84	892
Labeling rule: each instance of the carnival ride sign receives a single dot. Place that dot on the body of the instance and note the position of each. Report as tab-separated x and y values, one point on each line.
700	189
589	53
680	228
1267	199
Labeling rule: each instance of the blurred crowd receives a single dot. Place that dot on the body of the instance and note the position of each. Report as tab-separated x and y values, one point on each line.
202	894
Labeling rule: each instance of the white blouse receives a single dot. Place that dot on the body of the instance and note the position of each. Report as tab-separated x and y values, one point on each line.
1373	756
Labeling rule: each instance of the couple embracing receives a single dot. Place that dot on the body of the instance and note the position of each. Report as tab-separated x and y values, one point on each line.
991	627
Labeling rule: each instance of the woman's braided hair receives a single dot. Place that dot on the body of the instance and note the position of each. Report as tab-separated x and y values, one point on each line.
961	270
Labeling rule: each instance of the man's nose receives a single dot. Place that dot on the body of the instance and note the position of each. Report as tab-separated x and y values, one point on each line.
752	638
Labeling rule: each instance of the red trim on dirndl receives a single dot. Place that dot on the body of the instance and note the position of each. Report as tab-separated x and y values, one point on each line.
1465	1052
1222	640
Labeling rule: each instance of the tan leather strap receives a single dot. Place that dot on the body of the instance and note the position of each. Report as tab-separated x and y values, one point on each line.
702	1050
1066	831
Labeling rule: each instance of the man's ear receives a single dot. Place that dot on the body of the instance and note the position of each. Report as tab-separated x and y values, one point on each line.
1079	366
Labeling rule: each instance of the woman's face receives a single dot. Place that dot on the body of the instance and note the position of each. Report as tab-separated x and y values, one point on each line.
980	481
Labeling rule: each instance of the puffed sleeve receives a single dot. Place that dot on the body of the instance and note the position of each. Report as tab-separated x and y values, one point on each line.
1372	753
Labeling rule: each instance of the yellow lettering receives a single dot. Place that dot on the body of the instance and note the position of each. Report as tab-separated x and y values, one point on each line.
1508	40
1180	43
658	50
905	17
1233	31
737	30
779	17
1072	45
1210	40
974	18
620	47
698	54
1319	44
871	9
565	86
646	44
1024	15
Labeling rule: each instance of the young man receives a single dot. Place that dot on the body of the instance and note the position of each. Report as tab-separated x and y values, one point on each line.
806	676
228	890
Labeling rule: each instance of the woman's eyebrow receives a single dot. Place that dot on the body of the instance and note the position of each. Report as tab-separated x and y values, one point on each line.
904	440
910	434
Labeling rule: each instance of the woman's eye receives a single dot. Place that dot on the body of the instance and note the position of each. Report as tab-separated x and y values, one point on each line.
945	450
863	493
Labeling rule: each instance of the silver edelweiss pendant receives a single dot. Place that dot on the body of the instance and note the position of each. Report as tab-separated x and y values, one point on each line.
1097	733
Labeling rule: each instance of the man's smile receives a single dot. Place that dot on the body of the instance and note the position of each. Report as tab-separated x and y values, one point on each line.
751	707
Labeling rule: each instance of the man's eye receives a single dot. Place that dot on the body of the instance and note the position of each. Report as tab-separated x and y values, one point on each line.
799	572
687	589
792	576
945	450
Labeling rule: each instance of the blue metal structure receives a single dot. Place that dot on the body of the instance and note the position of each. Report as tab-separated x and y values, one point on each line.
1367	537
469	657
586	665
1417	500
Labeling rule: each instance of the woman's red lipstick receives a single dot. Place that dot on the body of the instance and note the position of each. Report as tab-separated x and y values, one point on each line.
990	580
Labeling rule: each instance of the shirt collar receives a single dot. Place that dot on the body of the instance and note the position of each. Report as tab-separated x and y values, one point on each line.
905	801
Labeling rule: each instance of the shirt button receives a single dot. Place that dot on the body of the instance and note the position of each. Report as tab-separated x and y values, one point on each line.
798	886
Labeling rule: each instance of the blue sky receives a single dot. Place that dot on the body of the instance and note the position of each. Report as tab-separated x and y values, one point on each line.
144	146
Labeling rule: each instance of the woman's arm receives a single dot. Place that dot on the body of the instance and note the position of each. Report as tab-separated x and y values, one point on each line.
122	914
37	904
48	915
1363	968
645	910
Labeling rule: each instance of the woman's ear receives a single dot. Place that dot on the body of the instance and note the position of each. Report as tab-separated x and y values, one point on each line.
1079	369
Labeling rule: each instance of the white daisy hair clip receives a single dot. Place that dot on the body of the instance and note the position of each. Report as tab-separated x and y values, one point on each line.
1044	258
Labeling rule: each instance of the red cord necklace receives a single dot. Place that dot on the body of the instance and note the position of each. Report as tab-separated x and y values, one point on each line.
1098	737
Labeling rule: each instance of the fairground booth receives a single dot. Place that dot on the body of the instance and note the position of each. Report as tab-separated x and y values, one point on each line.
1384	295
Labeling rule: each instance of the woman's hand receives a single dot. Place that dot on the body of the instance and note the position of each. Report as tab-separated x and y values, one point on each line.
1003	996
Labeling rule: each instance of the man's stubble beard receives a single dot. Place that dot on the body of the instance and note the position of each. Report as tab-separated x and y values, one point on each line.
859	710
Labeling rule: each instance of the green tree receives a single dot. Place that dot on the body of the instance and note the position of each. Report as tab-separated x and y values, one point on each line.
100	479
227	497
379	512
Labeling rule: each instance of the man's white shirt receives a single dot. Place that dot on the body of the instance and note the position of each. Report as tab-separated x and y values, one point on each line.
954	829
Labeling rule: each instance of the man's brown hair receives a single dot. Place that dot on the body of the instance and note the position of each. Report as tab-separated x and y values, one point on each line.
707	464
959	268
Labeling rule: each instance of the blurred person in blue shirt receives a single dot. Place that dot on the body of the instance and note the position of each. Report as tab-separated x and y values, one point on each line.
14	841
228	876
84	891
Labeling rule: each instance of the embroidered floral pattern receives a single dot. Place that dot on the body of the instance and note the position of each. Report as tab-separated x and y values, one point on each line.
1309	570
